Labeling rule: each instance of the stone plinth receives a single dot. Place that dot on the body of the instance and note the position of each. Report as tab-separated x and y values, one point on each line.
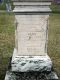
30	76
30	63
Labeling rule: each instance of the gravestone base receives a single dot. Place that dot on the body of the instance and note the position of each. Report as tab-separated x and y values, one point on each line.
30	76
38	68
30	63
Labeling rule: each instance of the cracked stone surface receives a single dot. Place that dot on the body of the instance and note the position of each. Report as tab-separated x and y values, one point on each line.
30	63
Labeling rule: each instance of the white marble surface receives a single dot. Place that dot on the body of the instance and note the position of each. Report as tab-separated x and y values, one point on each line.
31	3
32	9
32	34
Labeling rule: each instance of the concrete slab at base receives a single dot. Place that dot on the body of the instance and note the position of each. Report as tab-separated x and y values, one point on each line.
52	76
30	63
30	76
10	76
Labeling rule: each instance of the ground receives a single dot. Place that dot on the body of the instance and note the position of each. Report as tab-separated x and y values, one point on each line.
3	4
6	41
55	7
54	41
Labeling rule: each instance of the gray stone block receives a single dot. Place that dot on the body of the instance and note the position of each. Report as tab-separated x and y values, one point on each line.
30	76
32	3
10	76
31	9
32	0
30	63
52	76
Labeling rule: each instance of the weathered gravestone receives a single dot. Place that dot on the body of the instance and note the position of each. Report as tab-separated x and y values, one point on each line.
31	38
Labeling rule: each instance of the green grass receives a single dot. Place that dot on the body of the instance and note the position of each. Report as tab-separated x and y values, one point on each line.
6	41
54	41
3	5
55	7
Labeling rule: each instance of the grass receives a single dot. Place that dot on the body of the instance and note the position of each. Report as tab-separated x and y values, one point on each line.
3	5
54	41
54	37
6	41
55	7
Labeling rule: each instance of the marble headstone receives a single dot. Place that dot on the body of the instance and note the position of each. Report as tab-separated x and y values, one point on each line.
31	39
30	53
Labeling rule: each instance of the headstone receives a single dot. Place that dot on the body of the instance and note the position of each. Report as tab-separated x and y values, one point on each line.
31	38
31	34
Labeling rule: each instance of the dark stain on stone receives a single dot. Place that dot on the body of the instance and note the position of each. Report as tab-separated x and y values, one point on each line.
23	64
35	62
30	61
36	68
40	61
22	57
30	57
